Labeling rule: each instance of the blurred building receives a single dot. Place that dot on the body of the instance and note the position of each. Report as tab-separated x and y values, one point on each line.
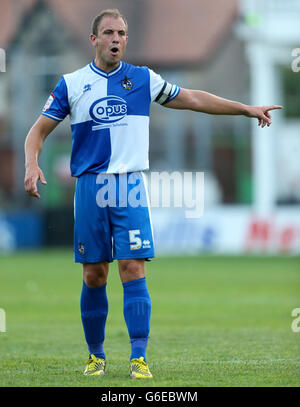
43	41
239	50
271	32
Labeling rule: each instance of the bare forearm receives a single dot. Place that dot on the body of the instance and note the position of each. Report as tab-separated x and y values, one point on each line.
35	139
33	146
208	103
204	102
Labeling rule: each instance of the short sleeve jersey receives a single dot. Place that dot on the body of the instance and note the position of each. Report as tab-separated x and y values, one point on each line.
109	115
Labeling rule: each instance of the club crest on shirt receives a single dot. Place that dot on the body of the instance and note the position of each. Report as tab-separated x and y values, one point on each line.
126	83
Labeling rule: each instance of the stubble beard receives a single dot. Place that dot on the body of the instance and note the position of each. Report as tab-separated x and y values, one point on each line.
109	62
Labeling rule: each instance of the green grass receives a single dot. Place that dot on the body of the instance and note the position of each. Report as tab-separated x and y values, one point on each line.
216	321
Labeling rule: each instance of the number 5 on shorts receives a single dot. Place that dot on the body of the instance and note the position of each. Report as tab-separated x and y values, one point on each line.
134	239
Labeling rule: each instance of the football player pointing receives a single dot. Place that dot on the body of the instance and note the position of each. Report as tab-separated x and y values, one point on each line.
108	103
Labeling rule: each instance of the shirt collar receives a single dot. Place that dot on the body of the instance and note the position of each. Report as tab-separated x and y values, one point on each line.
99	71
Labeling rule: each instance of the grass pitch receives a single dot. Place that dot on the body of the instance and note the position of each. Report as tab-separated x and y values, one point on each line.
216	321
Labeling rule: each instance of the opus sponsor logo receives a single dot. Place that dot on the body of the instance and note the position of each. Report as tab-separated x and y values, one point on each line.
108	110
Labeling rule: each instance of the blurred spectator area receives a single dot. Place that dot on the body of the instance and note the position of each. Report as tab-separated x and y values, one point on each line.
197	44
6	173
191	44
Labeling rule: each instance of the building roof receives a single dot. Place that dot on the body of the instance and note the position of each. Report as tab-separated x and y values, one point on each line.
161	32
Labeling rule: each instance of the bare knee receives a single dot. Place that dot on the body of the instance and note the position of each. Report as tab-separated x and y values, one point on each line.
131	269
95	274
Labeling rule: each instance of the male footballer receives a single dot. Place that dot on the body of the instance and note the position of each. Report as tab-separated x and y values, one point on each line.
108	102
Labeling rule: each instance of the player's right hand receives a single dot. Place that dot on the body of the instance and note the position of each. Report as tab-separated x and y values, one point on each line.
32	175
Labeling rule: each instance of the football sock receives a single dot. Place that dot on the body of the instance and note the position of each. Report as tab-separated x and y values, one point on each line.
137	312
94	309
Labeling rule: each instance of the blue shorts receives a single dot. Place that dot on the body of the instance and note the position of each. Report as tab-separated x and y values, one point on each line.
112	218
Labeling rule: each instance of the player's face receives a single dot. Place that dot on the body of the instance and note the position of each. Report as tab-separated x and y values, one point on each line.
110	43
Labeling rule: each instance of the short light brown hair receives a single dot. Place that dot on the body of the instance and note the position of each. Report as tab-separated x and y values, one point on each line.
114	12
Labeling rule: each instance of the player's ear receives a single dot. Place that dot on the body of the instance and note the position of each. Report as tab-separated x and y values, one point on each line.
93	39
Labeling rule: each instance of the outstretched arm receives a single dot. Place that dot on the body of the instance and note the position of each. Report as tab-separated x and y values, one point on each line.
204	102
33	146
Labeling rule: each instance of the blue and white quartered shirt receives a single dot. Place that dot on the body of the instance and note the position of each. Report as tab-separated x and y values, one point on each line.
109	116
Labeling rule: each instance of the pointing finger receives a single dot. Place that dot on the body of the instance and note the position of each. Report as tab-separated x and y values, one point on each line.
273	107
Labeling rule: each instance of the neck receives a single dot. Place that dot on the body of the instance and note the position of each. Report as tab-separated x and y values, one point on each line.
104	66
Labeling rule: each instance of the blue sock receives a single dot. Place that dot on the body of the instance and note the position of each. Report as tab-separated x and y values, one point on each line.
137	312
94	309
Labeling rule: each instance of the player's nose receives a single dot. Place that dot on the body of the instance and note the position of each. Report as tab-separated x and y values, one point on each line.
115	38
